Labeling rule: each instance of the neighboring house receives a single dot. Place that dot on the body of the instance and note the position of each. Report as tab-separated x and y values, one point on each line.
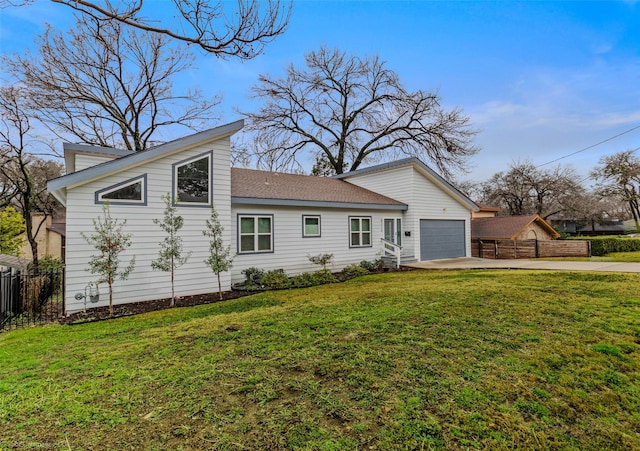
271	220
50	236
579	228
529	227
610	227
485	211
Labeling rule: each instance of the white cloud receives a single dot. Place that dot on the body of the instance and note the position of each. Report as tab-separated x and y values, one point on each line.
548	113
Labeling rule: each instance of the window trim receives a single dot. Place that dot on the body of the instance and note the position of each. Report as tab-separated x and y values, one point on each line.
360	218
98	195
174	180
255	216
304	226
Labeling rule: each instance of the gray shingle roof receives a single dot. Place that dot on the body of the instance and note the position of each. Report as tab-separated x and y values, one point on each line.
249	185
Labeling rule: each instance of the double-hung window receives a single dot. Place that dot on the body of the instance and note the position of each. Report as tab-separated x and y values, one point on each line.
360	231
192	180
255	233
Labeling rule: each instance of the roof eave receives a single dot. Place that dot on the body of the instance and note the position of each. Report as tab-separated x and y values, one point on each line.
59	194
134	159
545	225
315	203
431	174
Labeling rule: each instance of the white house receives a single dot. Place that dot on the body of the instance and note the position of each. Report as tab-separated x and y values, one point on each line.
271	220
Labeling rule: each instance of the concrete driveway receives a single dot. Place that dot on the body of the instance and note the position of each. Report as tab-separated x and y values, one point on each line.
483	263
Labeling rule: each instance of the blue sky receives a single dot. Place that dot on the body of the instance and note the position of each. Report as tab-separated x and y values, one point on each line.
540	80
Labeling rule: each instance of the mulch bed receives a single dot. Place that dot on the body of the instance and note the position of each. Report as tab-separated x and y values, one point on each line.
135	308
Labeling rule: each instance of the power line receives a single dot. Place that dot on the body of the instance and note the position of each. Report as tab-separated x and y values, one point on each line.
589	176
590	147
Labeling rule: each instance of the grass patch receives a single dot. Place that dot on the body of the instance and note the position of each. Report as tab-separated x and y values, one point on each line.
415	360
618	257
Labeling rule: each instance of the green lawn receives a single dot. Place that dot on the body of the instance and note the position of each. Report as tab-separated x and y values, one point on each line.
413	360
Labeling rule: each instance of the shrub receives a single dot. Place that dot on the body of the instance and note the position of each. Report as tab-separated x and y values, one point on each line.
310	279
324	276
302	280
373	265
53	267
603	245
48	263
354	271
253	275
276	279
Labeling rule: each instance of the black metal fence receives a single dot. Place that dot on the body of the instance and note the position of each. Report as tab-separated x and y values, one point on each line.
30	298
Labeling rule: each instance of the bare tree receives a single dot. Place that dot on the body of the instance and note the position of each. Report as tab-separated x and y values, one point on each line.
109	85
216	27
525	189
23	175
351	110
618	176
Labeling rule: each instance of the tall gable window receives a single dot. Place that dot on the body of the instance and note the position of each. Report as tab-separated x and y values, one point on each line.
360	231
192	180
132	191
255	233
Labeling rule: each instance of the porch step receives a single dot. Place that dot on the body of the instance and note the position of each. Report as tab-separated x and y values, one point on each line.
391	261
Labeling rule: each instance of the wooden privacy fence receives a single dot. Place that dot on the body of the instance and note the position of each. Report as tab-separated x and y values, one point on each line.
512	249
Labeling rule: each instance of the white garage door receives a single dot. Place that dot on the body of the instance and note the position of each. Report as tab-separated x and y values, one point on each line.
441	239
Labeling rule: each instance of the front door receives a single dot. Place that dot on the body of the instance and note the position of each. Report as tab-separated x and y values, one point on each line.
392	231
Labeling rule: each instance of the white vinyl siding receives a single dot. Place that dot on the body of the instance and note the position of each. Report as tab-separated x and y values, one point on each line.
425	198
87	161
292	249
144	283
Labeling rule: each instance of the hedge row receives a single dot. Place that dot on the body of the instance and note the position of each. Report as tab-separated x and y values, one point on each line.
277	279
603	245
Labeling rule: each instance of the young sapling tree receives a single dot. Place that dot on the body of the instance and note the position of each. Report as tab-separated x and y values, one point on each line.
110	241
220	259
171	255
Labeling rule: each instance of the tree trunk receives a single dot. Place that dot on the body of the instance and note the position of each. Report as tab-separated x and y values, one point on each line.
173	296
34	251
219	287
110	298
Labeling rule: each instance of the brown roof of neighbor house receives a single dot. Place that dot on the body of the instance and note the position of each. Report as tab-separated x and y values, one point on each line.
251	183
506	227
58	227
